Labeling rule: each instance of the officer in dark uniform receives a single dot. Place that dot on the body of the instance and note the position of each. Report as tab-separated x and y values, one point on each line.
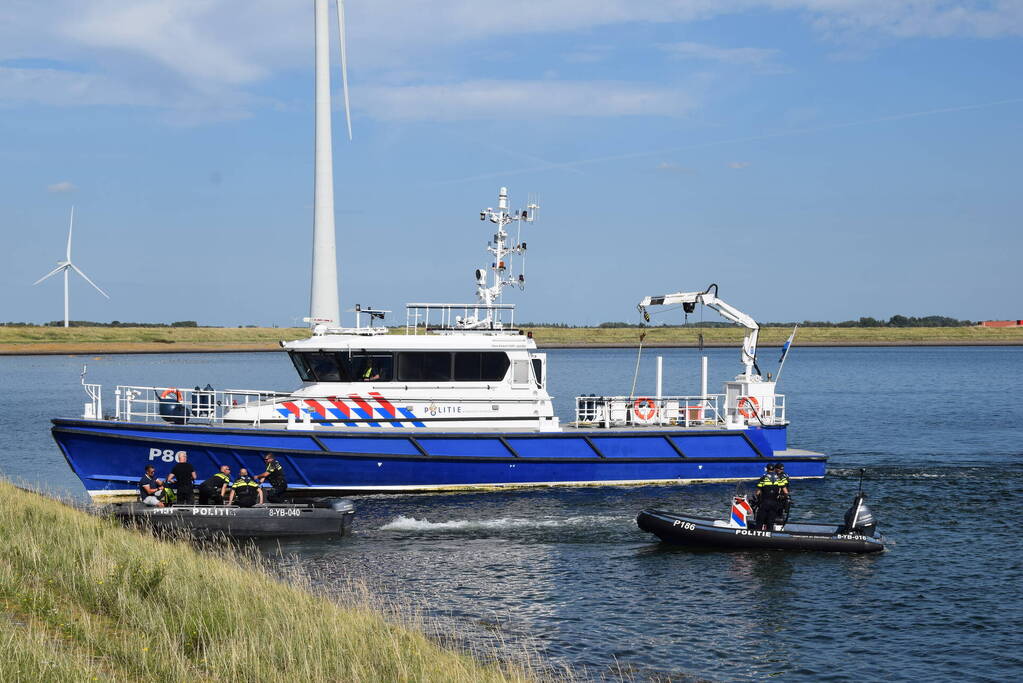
245	490
782	482
768	504
275	476
214	489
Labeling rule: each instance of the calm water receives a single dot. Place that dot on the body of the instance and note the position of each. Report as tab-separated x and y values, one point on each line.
939	430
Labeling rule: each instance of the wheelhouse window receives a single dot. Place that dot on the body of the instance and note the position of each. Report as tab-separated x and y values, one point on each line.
412	366
366	366
299	359
485	366
462	366
422	366
341	366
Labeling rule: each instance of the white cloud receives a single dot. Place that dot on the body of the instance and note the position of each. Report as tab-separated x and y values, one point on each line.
65	88
62	186
738	164
60	88
208	56
762	59
491	99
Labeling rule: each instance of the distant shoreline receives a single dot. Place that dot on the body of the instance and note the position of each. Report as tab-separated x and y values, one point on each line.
70	349
38	341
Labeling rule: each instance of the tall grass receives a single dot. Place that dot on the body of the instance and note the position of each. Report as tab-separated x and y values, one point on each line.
83	599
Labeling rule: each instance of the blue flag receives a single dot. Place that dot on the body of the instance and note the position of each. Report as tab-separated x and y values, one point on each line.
786	345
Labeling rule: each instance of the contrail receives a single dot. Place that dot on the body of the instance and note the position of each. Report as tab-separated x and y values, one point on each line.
732	141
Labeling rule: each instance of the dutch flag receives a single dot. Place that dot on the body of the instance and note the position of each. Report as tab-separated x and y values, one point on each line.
788	343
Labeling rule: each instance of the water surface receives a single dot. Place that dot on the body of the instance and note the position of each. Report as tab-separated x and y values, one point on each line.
567	570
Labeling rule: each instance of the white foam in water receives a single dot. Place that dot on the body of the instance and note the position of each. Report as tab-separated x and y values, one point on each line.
402	523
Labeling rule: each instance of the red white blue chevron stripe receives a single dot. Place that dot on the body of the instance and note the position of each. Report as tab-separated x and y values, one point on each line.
740	510
337	409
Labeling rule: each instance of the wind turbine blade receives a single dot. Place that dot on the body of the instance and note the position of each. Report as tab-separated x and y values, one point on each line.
70	229
344	62
50	274
88	280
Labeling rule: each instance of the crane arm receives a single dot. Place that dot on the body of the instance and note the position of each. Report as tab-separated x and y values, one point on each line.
727	311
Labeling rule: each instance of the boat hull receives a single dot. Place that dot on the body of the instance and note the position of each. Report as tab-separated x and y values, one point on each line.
230	520
109	456
701	532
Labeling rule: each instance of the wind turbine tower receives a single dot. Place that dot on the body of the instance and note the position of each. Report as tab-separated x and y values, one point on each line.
324	308
65	266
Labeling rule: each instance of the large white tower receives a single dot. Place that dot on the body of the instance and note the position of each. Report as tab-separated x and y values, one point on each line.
324	308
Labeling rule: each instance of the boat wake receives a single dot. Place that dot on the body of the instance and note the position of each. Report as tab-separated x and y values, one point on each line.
402	523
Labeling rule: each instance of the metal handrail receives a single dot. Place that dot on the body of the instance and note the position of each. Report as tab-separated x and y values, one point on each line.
417	314
609	411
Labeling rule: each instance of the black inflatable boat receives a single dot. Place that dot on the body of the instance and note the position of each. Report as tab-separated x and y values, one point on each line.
332	517
857	534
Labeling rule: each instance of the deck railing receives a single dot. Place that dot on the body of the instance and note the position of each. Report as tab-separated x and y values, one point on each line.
462	317
685	411
195	406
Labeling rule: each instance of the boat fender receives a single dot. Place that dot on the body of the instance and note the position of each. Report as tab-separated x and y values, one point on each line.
644	408
176	393
751	401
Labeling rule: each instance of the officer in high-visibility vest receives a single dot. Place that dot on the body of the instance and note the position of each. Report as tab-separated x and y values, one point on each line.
767	501
245	490
214	490
275	476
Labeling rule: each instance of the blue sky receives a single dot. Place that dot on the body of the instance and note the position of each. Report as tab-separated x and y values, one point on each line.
818	159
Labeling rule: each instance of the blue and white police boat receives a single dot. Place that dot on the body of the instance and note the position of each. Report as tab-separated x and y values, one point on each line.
459	401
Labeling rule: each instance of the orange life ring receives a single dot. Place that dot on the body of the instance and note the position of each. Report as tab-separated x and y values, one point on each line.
753	403
176	393
639	404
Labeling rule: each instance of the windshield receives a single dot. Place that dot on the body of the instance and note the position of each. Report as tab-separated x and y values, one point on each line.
341	366
412	366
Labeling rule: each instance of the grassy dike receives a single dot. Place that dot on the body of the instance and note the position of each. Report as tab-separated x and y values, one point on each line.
98	340
82	599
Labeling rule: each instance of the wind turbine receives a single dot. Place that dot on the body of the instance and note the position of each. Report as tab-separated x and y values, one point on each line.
65	266
324	306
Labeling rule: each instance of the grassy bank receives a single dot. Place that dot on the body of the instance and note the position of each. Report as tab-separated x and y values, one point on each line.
775	336
17	340
97	340
83	599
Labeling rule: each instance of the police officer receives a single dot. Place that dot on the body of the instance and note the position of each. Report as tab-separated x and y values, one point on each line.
782	482
245	490
214	489
768	504
275	476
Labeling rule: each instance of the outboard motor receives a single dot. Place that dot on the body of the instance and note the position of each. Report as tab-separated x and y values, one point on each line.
859	518
342	505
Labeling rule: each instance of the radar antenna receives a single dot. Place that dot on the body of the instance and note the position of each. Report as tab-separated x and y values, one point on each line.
490	282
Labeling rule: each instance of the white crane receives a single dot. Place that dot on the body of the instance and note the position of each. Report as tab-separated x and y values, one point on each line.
689	301
65	266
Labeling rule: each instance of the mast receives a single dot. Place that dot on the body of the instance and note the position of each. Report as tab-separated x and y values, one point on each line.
324	308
